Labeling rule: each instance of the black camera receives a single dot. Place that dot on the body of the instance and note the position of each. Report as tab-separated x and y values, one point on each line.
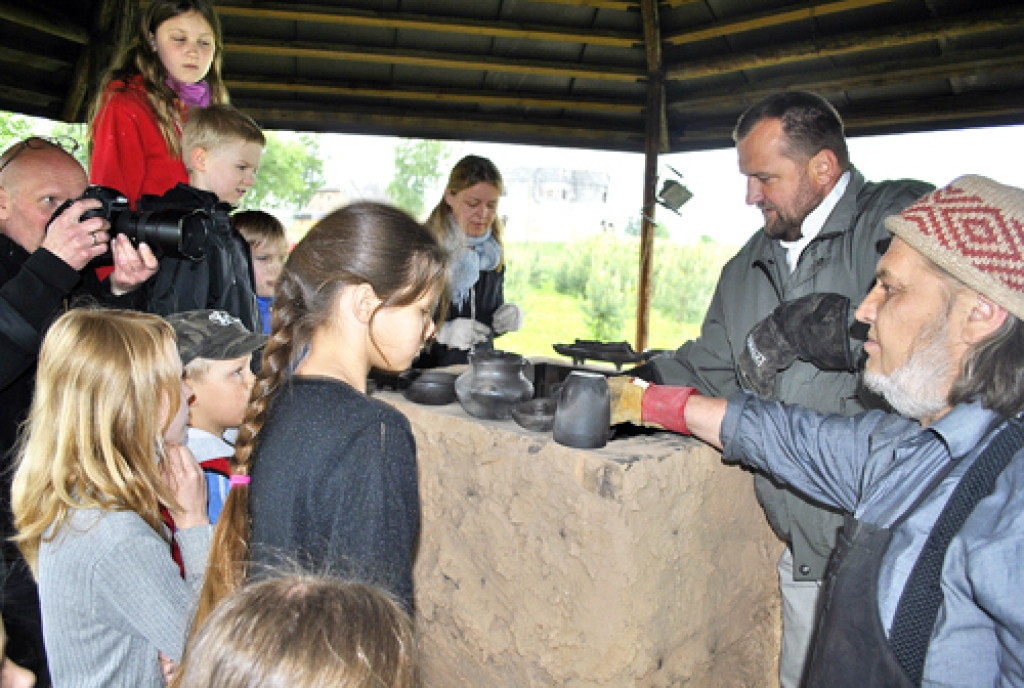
177	233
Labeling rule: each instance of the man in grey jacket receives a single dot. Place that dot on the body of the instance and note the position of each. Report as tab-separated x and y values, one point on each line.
823	232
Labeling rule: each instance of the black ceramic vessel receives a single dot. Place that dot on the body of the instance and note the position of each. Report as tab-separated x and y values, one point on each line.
583	415
537	415
431	387
493	385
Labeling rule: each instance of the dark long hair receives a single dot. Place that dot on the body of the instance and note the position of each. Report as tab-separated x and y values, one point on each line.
363	243
141	59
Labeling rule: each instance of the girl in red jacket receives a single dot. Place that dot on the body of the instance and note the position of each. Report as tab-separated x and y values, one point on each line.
172	65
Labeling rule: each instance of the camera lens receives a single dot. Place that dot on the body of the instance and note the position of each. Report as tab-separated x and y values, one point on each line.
177	233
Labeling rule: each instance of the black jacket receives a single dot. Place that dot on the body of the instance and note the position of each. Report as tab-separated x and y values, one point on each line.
34	290
223	280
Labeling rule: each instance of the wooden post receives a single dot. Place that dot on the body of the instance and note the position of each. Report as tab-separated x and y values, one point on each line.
652	144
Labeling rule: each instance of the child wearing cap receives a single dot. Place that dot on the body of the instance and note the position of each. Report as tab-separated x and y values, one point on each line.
216	351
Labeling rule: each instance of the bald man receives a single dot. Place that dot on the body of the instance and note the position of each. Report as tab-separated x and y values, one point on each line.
41	275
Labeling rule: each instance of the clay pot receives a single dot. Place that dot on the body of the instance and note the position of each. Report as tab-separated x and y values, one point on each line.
493	385
537	415
432	387
583	413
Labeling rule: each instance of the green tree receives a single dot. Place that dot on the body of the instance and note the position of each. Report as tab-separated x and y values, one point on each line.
291	171
78	132
685	278
419	164
13	128
606	303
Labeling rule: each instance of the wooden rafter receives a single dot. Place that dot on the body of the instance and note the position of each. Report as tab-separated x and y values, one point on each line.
65	30
852	43
447	127
894	115
622	5
438	96
33	60
438	60
884	74
425	23
764	21
33	98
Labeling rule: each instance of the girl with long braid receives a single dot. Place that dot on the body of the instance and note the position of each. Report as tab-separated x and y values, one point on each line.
333	471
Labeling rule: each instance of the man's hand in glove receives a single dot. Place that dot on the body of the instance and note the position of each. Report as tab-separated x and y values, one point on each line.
645	403
814	328
463	333
508	318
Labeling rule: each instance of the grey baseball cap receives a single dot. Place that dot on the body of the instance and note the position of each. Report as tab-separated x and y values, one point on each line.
214	335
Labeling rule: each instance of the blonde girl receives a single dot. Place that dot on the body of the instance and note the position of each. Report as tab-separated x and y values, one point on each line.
466	222
302	631
334	471
102	453
172	64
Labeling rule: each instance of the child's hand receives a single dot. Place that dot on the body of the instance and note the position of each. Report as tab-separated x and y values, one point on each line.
188	483
167	667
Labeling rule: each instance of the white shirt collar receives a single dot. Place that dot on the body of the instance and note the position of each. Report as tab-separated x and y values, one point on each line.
814	221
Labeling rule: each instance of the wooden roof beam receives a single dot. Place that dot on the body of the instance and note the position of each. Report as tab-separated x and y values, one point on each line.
32	60
894	115
764	21
452	128
846	44
853	78
439	96
20	95
412	22
447	61
61	29
621	5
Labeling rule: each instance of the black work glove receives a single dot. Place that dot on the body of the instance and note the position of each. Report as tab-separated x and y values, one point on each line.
814	328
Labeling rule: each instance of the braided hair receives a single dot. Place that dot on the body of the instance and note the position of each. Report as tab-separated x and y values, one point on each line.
363	243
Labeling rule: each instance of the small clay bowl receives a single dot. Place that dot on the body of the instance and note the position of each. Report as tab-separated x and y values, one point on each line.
431	387
537	415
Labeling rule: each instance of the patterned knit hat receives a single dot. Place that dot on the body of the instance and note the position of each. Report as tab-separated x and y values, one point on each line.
974	229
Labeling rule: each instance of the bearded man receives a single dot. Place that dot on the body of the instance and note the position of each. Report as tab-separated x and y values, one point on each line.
925	586
822	232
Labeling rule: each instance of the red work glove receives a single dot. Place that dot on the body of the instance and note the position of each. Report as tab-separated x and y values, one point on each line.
644	403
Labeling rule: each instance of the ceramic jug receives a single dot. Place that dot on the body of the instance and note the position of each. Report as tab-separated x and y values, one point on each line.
493	384
583	413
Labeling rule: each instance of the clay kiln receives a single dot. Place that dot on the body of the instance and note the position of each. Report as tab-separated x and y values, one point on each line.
645	563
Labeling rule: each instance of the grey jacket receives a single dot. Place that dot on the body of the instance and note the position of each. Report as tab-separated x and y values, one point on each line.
841	259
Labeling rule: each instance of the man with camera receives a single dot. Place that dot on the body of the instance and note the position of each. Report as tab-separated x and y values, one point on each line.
42	263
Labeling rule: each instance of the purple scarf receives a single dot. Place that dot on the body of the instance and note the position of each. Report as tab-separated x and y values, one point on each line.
193	95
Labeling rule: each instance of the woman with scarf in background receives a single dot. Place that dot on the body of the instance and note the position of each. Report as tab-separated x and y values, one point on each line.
466	223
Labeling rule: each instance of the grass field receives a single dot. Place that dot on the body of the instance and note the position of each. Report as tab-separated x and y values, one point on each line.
553	318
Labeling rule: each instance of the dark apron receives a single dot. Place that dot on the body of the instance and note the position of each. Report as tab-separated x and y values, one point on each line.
850	648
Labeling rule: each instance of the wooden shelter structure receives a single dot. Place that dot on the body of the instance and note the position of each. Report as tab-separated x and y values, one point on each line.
634	75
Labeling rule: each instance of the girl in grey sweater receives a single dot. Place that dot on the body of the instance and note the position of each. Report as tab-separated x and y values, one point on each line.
102	453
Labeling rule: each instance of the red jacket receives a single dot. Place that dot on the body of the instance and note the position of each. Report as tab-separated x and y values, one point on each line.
129	152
